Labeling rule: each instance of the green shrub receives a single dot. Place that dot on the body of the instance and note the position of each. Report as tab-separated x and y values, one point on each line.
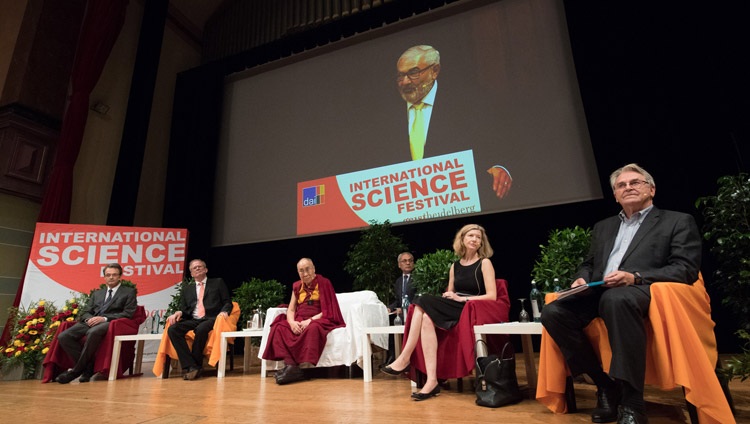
431	271
560	258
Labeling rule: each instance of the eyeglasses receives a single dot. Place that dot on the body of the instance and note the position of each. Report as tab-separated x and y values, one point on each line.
636	184
412	73
407	260
111	275
197	267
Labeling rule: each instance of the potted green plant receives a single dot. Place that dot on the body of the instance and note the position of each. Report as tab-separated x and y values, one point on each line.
727	229
256	294
372	261
560	257
174	304
431	271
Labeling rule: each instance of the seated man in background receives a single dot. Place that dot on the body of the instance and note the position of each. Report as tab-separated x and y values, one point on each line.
629	251
403	286
104	305
300	335
200	304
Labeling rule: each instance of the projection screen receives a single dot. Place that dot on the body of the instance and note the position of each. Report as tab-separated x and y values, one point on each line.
321	142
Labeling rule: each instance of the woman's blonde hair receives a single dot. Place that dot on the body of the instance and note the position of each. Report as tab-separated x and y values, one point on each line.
485	250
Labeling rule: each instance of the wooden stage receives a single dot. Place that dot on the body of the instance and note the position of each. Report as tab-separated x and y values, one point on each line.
247	398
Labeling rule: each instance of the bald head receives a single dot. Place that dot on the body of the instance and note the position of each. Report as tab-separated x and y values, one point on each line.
306	270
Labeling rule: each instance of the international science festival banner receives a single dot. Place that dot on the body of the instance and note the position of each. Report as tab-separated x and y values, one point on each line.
67	259
429	188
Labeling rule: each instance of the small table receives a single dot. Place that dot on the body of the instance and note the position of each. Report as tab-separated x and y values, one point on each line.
140	338
245	334
525	329
398	333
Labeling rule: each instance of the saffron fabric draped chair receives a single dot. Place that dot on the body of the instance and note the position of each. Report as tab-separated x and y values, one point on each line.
166	350
57	361
681	351
455	354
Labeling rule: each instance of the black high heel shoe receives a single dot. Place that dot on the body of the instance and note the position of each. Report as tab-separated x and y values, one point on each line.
422	396
390	371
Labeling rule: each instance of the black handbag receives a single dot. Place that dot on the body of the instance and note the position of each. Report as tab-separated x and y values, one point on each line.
496	383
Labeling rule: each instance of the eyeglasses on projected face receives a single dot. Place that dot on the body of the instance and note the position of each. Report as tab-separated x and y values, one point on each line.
636	184
412	73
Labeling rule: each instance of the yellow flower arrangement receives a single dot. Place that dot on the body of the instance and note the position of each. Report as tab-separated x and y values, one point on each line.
33	332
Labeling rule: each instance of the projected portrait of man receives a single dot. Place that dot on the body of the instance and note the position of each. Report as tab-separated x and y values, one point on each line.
417	72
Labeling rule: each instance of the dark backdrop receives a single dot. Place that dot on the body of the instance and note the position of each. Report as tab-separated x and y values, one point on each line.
662	85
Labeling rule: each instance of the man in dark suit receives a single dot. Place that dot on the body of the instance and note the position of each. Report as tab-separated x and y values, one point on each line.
200	304
104	305
640	246
403	284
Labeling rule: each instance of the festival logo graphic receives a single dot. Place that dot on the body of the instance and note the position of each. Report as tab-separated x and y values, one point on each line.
312	196
429	188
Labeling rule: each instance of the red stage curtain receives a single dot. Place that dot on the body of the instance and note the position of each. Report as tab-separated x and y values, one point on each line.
101	26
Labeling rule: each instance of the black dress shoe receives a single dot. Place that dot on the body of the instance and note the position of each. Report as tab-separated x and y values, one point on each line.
290	374
628	415
67	377
422	396
390	371
85	378
607	401
193	373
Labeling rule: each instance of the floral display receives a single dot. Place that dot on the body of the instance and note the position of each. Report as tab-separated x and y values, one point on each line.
33	332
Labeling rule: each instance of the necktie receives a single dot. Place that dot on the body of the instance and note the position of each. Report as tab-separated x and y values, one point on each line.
199	307
106	303
418	133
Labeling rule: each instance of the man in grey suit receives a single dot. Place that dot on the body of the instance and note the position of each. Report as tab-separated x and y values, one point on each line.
103	306
639	246
200	304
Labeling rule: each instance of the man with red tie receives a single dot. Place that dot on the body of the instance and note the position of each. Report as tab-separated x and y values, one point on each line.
202	301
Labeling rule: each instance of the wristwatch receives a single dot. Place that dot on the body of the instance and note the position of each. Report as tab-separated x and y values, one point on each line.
637	279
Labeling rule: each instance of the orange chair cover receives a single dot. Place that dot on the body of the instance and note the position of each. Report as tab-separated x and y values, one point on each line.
214	339
681	352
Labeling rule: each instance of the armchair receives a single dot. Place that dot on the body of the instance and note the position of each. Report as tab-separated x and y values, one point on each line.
455	355
166	350
343	345
681	352
57	360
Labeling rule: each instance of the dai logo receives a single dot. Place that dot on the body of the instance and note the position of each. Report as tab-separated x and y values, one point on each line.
313	196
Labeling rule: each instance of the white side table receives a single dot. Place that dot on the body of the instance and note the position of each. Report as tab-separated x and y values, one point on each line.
525	329
140	338
398	333
246	334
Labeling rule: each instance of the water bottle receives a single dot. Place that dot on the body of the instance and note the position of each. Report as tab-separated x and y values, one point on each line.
256	320
556	284
155	322
405	304
537	302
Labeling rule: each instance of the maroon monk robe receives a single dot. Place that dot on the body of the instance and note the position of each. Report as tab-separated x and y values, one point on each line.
295	349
